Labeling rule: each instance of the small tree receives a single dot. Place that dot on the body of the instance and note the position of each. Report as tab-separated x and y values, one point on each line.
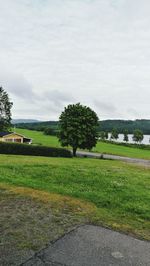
114	134
5	110
78	127
106	135
103	135
126	138
137	135
49	131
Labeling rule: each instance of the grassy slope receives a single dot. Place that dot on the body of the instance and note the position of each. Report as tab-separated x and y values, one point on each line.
120	193
122	150
40	138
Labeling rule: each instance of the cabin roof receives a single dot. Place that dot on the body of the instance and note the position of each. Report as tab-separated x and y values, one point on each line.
2	134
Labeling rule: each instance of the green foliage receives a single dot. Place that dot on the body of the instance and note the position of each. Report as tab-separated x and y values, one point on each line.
106	135
24	149
114	134
50	131
38	126
103	135
137	135
5	110
130	125
78	127
126	138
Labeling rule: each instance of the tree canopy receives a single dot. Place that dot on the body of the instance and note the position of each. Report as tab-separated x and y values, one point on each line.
114	134
5	110
103	135
137	135
126	138
78	127
130	125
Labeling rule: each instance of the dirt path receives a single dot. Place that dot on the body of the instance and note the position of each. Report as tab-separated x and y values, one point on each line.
27	225
113	157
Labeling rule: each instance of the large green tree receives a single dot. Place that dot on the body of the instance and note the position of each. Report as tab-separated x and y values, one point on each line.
5	110
78	127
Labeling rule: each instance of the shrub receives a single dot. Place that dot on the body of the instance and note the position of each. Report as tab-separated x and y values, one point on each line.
50	131
25	149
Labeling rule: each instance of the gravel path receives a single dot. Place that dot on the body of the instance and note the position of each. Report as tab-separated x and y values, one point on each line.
113	157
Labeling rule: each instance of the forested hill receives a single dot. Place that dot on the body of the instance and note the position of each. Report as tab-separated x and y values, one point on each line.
20	121
105	125
130	125
38	125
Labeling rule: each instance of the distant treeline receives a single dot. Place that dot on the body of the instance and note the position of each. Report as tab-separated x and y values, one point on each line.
49	127
130	125
106	125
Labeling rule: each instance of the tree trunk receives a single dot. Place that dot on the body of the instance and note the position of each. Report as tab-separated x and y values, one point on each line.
74	151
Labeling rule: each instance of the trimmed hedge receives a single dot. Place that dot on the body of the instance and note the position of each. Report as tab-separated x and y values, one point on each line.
25	149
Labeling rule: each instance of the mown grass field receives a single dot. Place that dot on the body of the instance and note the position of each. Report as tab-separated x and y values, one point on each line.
122	150
102	147
109	193
39	138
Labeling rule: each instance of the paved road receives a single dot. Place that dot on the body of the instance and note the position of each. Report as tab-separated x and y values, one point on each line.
113	157
94	246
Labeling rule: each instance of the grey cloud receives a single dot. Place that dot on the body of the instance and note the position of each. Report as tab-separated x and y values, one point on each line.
105	106
17	85
57	97
48	105
42	110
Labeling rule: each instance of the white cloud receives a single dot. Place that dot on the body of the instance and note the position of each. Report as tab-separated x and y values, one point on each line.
59	52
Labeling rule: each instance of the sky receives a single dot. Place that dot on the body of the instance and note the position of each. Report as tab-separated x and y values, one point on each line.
58	52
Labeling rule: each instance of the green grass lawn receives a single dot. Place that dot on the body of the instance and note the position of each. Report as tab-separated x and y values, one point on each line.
102	147
119	193
122	150
39	138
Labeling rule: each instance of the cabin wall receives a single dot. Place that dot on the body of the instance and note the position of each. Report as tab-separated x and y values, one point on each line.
13	138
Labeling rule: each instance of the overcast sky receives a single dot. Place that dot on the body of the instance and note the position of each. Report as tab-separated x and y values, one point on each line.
56	52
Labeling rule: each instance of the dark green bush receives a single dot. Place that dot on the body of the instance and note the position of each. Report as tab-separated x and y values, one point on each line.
50	131
25	149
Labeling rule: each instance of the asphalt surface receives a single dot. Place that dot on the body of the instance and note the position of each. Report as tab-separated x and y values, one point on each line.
113	157
94	246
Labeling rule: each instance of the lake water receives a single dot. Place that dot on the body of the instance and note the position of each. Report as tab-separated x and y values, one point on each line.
146	139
